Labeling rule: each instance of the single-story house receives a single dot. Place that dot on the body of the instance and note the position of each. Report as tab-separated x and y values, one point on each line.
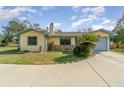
35	41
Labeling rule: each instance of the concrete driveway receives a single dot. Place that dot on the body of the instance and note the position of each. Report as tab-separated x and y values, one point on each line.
105	69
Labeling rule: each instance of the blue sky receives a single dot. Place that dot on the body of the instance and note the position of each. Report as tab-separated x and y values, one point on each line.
66	18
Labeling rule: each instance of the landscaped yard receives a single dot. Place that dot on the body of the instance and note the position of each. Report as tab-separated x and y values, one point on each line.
120	51
9	55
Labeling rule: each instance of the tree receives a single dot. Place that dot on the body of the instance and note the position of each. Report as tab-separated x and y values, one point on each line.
15	27
88	38
12	30
32	26
7	38
1	38
119	29
88	43
36	27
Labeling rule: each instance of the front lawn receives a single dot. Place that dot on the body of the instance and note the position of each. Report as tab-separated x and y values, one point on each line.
120	51
9	55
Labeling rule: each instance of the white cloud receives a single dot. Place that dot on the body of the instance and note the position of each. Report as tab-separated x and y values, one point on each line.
23	18
96	27
82	21
106	24
45	8
1	7
98	10
23	9
12	13
40	13
95	11
29	15
76	8
87	9
106	21
57	24
79	22
73	17
94	15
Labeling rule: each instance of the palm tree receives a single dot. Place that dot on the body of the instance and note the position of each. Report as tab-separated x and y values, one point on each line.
88	43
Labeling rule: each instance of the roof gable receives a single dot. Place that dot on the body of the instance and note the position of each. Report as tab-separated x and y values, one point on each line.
32	30
102	30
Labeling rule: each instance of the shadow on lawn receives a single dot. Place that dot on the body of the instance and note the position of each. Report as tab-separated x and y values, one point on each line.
12	51
68	59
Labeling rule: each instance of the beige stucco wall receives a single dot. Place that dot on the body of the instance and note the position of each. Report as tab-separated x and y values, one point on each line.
24	41
56	40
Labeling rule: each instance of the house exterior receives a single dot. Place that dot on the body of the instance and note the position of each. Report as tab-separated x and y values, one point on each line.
36	41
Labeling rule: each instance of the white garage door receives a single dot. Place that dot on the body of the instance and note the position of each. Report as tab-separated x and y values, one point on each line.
102	44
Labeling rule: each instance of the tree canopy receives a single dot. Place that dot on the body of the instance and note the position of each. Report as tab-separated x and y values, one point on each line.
1	38
88	38
15	26
119	29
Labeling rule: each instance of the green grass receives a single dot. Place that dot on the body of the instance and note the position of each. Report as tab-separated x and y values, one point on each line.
120	51
10	55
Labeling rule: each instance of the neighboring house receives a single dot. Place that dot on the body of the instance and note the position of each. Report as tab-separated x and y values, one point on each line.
36	41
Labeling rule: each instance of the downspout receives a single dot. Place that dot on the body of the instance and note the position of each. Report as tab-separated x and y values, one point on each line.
43	43
108	43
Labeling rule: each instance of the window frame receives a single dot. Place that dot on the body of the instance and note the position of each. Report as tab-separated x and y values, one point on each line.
66	40
32	41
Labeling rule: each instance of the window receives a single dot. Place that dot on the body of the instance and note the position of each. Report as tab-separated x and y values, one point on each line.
65	40
32	40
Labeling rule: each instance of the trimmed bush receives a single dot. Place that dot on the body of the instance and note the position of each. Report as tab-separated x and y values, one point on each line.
84	50
87	49
77	51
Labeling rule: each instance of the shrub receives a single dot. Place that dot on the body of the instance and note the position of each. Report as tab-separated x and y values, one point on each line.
77	51
83	51
88	44
50	45
3	43
87	49
18	48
